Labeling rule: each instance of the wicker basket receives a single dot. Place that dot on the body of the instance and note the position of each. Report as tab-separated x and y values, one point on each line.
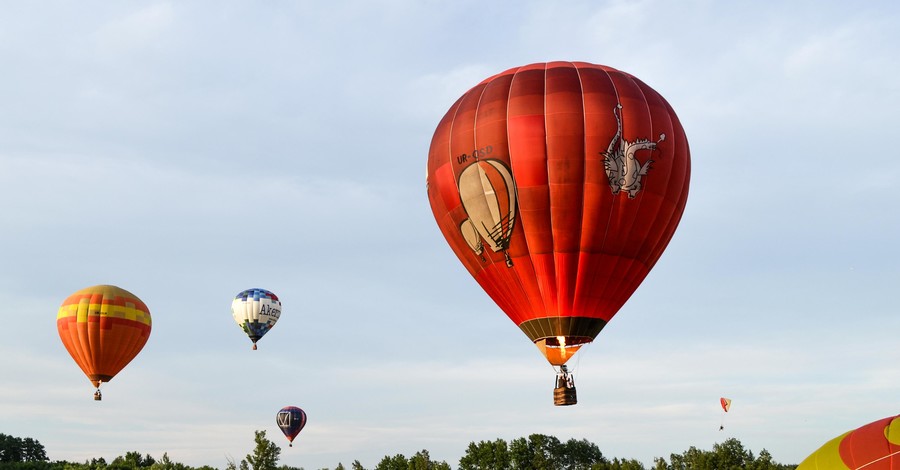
564	396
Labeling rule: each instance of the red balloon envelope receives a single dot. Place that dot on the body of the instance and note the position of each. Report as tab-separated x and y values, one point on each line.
558	185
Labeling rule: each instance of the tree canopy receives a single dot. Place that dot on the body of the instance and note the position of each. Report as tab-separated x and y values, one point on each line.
728	455
17	449
534	452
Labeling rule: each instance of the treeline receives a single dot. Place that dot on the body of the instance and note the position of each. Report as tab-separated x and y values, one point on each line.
535	452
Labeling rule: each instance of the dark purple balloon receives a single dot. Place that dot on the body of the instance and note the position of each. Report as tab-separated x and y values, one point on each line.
291	421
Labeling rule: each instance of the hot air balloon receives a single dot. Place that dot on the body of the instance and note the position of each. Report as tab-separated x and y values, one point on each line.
256	311
103	328
558	186
291	420
874	446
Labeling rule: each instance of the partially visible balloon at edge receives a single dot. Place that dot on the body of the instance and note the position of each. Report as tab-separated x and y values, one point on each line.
874	446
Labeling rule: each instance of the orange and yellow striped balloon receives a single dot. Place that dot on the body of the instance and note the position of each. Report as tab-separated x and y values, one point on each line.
103	328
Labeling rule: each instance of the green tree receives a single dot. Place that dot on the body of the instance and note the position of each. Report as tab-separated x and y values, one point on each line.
357	466
486	455
16	449
765	462
265	455
397	462
619	464
33	451
422	461
728	455
691	459
164	463
731	455
538	452
133	461
579	455
10	449
285	467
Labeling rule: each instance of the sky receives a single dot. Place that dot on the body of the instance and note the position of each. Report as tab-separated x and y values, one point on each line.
186	151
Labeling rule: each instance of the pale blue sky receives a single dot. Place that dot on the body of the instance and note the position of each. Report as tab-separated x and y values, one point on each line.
188	151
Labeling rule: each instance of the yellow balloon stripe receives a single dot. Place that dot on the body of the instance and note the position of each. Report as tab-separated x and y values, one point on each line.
85	309
828	457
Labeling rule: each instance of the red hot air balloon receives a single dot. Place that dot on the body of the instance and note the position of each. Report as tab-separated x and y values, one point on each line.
558	185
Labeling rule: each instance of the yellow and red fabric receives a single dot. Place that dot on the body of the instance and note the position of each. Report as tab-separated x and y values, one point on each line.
874	446
103	328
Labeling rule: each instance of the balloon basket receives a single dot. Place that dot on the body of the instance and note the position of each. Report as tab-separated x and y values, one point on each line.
97	396
564	391
564	396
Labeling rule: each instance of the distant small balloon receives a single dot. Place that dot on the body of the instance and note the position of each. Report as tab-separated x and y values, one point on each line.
291	421
256	311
